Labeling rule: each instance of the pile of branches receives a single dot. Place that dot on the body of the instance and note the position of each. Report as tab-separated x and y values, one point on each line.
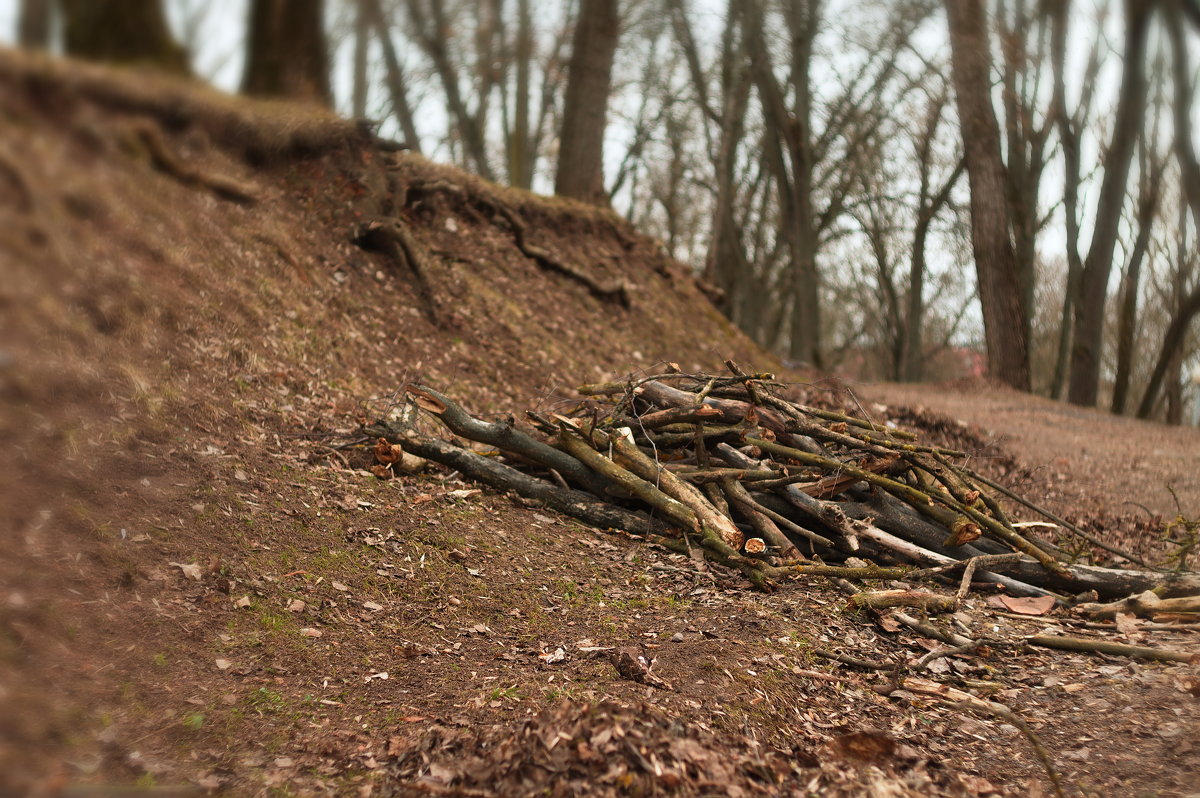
727	467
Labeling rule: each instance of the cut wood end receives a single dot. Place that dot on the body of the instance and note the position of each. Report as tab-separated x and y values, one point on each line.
755	546
425	401
387	452
964	531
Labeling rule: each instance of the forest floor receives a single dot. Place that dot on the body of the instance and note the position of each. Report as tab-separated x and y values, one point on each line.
198	597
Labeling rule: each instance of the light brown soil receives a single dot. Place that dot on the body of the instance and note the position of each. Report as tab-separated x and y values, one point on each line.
1094	459
196	594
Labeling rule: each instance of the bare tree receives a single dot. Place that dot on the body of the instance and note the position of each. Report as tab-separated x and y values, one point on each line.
1187	306
122	31
789	140
1151	166
286	51
1026	134
581	142
519	138
1170	354
1000	295
931	199
1088	332
431	28
362	41
726	265
813	168
397	83
1069	126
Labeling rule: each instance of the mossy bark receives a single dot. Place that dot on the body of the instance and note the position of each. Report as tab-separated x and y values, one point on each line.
123	32
286	52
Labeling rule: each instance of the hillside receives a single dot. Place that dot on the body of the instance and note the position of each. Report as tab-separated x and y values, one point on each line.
197	592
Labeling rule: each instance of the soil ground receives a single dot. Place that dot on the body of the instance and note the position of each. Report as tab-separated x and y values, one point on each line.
198	596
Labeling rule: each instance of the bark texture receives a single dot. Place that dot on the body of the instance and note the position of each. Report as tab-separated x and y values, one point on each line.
581	145
1000	295
1088	334
122	32
33	26
286	51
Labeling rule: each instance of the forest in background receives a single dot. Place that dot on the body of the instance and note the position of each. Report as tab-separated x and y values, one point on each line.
879	188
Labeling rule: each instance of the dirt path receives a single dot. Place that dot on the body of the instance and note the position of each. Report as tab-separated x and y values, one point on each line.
1111	463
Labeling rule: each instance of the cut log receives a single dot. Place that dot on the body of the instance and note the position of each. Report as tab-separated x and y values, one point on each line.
577	504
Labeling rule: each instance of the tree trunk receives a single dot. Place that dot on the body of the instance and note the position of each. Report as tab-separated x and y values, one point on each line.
286	54
1185	151
1069	137
788	156
1025	141
1150	184
362	40
1174	390
122	31
1088	331
1173	339
394	70
581	143
431	32
33	27
1127	318
520	156
1004	311
803	18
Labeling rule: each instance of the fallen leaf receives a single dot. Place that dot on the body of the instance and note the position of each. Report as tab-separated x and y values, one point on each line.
1127	623
381	676
551	657
223	664
440	774
371	605
976	785
463	493
190	570
296	605
340	586
1170	730
867	745
308	631
242	603
1188	684
888	624
1028	605
284	762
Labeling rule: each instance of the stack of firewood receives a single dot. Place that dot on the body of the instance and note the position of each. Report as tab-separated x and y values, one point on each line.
728	466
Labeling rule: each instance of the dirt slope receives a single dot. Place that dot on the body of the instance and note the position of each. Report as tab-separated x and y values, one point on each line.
189	598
